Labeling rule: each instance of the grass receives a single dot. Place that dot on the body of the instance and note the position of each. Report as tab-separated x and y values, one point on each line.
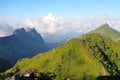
78	59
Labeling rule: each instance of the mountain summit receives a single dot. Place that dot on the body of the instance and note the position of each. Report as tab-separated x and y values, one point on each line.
23	43
20	31
26	31
106	30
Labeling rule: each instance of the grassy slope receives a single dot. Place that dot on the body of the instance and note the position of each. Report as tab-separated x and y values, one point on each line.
80	58
108	31
71	60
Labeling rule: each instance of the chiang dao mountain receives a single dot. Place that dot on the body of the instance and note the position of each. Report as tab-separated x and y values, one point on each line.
91	56
22	43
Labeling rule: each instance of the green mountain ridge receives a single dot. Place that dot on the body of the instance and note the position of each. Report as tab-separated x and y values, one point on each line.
106	30
83	58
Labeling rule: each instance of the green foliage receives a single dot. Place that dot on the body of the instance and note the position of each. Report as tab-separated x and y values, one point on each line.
83	58
101	52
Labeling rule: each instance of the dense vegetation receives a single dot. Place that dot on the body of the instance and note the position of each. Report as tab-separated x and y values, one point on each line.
83	58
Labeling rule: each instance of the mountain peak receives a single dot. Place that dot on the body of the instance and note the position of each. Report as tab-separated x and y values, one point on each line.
28	29
19	31
24	31
106	30
106	25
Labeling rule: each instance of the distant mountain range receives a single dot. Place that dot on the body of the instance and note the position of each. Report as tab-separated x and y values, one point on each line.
52	45
22	43
92	56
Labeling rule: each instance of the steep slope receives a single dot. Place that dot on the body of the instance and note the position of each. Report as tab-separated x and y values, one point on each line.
106	30
83	58
4	65
21	44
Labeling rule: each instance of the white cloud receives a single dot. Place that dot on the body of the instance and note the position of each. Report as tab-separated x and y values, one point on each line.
115	24
56	26
6	26
51	22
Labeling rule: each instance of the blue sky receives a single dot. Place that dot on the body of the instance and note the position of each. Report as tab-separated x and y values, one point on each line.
62	8
60	19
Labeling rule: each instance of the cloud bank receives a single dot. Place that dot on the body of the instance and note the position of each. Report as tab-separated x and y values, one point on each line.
54	28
